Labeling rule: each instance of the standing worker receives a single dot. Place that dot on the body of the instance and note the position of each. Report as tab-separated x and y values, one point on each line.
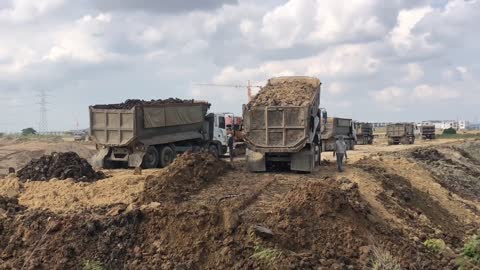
230	143
340	151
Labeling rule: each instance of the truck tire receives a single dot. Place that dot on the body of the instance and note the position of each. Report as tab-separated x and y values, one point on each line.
212	148
167	155
151	158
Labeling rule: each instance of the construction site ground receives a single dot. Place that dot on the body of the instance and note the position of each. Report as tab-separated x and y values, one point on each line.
204	214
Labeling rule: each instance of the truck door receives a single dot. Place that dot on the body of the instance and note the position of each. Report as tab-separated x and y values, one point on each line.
220	131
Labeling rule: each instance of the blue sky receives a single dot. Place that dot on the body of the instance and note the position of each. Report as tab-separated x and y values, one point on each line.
399	60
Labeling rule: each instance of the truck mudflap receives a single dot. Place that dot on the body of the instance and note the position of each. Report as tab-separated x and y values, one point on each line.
135	159
256	161
99	158
303	161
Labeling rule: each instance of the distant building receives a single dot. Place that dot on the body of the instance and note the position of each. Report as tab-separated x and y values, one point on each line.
463	124
446	124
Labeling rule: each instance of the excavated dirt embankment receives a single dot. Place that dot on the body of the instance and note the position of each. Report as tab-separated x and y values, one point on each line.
200	213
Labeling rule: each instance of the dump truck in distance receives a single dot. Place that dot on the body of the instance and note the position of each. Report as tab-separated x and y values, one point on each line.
334	128
150	133
428	132
403	133
282	125
364	132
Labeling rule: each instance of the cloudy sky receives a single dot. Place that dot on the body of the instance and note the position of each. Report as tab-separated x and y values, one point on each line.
396	60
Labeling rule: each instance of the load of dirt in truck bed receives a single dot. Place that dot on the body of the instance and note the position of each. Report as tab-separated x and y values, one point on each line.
130	103
61	166
187	174
286	93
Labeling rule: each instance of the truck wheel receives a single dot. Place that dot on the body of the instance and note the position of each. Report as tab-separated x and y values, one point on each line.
167	155
151	158
212	148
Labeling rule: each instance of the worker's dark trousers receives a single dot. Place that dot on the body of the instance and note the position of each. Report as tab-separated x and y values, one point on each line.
230	150
340	162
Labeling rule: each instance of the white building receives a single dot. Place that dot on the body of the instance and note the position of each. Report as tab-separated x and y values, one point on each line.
463	124
445	124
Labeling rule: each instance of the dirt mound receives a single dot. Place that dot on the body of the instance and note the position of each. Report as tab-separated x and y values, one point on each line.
187	174
425	217
287	93
9	206
130	103
455	168
17	153
328	224
60	166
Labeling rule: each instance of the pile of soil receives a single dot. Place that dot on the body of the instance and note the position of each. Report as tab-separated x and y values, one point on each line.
425	217
328	224
130	103
187	174
455	168
288	93
9	206
61	166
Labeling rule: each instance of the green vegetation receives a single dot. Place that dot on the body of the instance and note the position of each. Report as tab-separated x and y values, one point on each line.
472	248
435	245
459	136
267	255
449	131
92	265
28	131
383	260
261	253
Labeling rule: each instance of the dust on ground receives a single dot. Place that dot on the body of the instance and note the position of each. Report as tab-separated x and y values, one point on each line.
234	219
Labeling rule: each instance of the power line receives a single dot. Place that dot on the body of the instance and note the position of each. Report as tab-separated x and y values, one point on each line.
43	125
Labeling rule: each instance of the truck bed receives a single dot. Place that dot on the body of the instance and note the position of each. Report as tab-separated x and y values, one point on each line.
280	129
120	127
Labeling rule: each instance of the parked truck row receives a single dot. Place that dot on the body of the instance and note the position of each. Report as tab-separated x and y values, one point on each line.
283	125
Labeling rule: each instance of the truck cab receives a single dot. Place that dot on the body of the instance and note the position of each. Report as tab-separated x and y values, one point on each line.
222	124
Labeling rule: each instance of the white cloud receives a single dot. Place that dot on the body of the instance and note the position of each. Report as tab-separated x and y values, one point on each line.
389	95
315	22
414	72
401	36
27	10
427	93
341	61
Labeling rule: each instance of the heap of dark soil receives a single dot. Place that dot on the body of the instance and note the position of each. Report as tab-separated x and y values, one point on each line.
10	206
459	175
60	166
187	174
413	205
288	93
328	224
130	103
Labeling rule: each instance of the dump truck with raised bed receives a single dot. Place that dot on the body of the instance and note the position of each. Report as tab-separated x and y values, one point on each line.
282	125
428	132
334	128
150	133
403	133
364	132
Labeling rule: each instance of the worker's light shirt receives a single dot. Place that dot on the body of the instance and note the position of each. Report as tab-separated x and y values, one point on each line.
340	147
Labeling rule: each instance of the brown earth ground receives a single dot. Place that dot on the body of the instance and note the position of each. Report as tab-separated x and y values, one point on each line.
202	214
